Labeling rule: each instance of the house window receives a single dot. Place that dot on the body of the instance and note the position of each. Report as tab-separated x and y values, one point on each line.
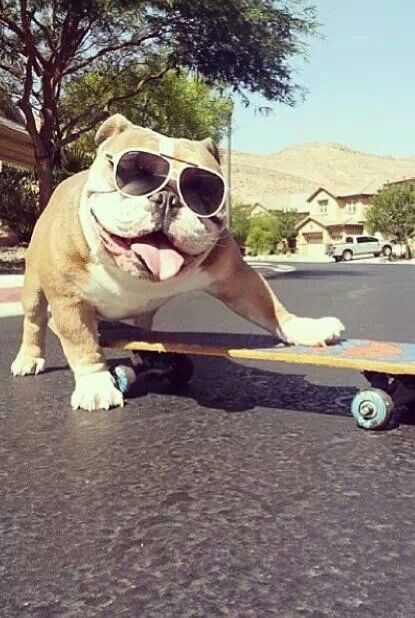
323	205
351	209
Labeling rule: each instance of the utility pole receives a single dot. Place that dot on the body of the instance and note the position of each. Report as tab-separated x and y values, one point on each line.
229	167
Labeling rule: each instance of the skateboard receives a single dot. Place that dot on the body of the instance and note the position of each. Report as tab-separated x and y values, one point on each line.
388	367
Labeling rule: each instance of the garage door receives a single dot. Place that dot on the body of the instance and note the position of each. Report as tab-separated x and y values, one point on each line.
315	246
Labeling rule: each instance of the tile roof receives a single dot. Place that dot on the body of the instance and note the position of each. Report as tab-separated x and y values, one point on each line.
342	191
325	222
15	143
401	181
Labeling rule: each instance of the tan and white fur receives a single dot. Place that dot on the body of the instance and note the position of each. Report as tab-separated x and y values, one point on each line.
71	266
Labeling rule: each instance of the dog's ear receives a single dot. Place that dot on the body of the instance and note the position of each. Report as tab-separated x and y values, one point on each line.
210	145
112	126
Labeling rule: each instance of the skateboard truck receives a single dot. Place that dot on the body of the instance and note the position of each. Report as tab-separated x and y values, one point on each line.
373	407
149	366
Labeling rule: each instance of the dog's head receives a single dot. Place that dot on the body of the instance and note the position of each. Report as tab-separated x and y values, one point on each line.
151	212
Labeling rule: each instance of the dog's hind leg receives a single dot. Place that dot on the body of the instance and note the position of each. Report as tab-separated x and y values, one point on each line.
144	321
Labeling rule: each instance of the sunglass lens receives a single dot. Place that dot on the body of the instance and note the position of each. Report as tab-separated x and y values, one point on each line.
141	173
202	190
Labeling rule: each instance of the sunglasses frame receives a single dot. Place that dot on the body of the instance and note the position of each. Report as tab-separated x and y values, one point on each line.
115	159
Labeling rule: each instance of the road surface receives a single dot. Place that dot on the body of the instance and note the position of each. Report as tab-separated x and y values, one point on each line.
252	494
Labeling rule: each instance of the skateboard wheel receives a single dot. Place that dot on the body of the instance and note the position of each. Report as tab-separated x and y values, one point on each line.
372	408
125	377
181	371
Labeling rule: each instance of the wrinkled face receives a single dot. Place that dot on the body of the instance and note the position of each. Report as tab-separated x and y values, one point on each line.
155	236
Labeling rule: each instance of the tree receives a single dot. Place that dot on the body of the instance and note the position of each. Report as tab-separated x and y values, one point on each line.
393	212
43	45
240	222
178	104
263	234
267	231
287	222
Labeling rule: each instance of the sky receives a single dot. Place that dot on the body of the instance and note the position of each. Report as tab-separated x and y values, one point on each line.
360	77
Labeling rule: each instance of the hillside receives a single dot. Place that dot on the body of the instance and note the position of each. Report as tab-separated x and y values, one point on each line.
303	168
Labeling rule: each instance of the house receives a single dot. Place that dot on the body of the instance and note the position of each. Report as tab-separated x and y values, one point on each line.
15	149
325	216
290	202
410	180
328	215
333	215
15	144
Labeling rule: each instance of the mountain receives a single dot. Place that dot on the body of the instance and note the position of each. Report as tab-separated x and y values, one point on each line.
303	168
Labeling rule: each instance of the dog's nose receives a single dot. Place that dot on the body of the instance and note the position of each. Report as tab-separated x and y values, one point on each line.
165	199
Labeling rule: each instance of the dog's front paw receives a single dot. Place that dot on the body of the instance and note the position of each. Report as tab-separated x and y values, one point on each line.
310	331
25	365
96	391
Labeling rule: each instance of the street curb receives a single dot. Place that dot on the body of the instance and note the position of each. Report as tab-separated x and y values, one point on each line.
11	285
11	281
8	310
10	291
275	268
304	260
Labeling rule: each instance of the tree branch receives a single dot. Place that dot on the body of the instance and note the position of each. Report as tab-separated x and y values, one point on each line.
86	113
24	102
27	36
10	46
74	136
143	81
105	112
74	121
12	71
134	42
10	24
45	31
70	41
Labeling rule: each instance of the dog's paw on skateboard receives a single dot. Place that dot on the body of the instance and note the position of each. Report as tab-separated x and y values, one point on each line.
96	391
311	332
26	365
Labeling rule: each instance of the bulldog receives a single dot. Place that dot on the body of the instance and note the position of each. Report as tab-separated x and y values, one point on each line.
146	222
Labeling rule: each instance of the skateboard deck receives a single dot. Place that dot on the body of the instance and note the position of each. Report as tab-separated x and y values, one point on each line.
358	354
388	366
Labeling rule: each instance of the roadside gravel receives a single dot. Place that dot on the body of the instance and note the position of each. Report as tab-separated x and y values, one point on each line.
12	260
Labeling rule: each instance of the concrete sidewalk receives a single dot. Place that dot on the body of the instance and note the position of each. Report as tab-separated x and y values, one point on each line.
10	285
10	291
10	288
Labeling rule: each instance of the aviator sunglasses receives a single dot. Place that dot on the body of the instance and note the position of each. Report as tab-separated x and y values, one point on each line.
142	173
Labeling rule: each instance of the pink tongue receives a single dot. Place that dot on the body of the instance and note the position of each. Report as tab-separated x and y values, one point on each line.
160	256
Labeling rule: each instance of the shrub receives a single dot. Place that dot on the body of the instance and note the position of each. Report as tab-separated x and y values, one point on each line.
19	190
240	222
19	205
270	233
262	235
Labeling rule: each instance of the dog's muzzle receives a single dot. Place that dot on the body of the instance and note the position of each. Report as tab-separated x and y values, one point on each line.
165	199
165	203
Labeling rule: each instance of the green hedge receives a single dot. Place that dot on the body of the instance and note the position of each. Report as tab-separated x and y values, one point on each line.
19	206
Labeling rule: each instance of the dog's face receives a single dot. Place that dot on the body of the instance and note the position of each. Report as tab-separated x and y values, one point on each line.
157	236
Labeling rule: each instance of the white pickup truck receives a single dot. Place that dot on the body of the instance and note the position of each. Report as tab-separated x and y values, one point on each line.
358	246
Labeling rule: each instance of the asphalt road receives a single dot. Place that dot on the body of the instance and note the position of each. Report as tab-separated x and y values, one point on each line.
251	494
